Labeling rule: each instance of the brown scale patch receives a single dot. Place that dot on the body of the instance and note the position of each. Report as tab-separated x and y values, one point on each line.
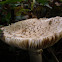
40	46
2	37
11	42
30	45
46	42
43	42
52	39
35	47
56	37
60	34
27	44
49	42
50	22
24	43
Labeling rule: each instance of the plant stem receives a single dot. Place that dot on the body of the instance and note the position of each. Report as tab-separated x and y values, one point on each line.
51	51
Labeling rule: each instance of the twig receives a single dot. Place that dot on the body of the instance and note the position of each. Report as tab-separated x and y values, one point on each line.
51	51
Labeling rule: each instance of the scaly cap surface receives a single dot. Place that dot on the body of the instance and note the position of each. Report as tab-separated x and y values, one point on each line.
33	33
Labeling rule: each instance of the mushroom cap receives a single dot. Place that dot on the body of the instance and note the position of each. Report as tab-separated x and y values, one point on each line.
33	33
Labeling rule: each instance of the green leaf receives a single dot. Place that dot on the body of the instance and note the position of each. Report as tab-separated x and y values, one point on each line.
0	30
10	1
22	10
42	1
60	0
32	4
3	2
1	33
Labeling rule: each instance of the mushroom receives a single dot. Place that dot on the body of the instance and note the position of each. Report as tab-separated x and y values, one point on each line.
33	35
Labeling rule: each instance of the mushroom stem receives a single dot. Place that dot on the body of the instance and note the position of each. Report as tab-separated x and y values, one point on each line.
36	55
